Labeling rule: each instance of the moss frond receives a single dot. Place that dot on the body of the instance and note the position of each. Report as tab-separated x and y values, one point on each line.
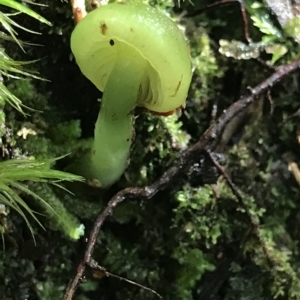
13	177
8	66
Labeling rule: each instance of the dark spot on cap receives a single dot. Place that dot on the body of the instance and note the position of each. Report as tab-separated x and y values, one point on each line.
103	28
111	42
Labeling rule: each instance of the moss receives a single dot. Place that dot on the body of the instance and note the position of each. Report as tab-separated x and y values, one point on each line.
175	243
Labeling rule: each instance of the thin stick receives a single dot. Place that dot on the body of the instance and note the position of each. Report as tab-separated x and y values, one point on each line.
94	265
244	19
253	220
78	8
210	6
245	22
135	283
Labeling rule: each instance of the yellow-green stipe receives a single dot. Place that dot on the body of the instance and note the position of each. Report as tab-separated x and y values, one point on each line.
138	57
114	126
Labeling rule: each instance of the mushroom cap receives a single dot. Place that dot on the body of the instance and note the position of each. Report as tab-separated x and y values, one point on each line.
99	38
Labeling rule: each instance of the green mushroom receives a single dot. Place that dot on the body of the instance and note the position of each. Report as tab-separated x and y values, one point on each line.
137	56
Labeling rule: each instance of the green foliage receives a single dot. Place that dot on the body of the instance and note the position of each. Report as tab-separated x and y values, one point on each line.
205	65
272	40
261	19
292	27
8	66
193	264
177	242
24	9
157	138
195	214
12	175
59	217
14	172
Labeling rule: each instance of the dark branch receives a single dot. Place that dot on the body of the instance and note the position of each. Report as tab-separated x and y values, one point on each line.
188	158
211	6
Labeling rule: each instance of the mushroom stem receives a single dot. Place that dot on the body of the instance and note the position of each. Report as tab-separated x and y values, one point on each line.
138	57
114	127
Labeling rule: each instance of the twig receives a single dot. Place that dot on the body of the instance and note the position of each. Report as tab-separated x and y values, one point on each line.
294	169
245	24
222	3
94	265
290	158
188	158
78	8
253	220
269	96
266	64
210	6
294	115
